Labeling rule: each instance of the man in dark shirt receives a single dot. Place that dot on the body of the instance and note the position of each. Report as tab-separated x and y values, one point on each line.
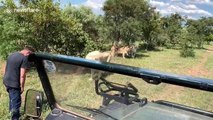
14	79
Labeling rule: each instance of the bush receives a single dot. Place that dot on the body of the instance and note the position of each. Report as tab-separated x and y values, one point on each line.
168	45
187	51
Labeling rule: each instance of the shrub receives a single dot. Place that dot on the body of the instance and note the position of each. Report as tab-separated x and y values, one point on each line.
187	51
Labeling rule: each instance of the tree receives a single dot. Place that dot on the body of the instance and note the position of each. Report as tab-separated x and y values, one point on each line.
89	22
209	38
150	25
208	31
47	30
172	26
12	32
186	43
127	20
200	30
86	17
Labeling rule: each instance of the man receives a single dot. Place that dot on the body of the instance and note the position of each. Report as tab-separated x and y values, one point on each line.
14	79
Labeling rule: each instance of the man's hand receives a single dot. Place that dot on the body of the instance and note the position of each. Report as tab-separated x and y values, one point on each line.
22	90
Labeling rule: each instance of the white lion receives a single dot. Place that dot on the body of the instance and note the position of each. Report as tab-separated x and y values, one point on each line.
99	56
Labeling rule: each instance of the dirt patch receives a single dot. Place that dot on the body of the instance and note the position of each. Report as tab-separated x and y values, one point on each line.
199	69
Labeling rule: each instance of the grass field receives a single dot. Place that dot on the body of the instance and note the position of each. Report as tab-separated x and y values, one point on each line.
78	90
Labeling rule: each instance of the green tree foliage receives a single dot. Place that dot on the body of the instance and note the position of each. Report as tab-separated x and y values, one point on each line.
90	24
209	38
86	17
54	32
129	20
49	29
200	30
12	31
186	43
115	16
151	29
187	51
172	26
104	33
208	29
10	36
195	27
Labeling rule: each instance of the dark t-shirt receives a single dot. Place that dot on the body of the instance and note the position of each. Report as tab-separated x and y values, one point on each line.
15	62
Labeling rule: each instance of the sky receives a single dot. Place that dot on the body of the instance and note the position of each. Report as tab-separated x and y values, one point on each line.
193	9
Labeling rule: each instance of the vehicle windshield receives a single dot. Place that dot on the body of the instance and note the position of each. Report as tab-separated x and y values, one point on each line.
74	89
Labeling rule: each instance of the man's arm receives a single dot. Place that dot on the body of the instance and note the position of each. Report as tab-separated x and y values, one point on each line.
22	78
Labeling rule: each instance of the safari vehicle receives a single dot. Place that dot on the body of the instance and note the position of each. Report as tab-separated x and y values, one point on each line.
111	96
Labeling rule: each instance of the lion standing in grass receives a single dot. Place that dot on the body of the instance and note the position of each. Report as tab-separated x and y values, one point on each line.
99	56
129	50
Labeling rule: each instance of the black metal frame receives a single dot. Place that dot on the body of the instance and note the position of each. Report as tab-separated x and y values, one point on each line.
126	93
44	81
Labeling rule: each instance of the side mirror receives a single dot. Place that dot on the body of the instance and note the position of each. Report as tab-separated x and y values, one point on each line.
33	103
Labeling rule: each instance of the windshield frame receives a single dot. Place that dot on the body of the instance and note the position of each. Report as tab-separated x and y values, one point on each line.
150	76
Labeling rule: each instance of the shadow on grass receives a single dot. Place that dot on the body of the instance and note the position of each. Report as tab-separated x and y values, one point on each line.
141	55
208	49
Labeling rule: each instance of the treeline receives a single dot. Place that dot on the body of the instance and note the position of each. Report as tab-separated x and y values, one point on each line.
77	30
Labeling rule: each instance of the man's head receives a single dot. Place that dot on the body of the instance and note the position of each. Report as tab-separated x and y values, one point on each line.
27	50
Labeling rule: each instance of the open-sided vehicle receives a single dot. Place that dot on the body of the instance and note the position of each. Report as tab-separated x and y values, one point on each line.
118	92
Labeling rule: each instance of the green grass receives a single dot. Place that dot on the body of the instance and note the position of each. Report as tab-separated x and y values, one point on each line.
32	82
78	90
168	60
209	66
